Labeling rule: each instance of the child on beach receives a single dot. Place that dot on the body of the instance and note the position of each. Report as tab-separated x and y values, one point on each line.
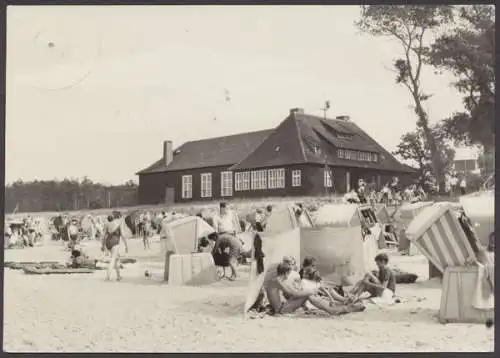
381	283
311	280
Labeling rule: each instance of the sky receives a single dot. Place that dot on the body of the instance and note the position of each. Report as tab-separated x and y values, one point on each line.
94	91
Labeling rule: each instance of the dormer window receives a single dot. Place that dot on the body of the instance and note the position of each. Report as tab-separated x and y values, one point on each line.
344	136
316	149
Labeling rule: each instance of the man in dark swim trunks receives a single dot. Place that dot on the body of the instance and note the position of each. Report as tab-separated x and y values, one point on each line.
111	242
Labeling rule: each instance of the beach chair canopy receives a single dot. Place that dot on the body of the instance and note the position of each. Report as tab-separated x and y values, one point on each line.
437	233
382	214
408	211
187	231
274	246
131	219
339	252
338	215
480	208
282	220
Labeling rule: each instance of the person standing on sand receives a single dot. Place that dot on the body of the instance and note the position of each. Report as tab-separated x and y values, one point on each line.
463	186
146	231
227	247
167	243
111	242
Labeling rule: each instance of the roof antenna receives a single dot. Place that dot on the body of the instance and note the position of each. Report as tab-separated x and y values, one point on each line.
326	108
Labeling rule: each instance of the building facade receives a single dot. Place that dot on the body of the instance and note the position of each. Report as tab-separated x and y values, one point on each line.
304	155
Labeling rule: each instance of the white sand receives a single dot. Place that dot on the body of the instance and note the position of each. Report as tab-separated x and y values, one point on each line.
83	313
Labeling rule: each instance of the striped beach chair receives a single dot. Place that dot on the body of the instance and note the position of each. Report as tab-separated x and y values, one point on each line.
438	235
453	248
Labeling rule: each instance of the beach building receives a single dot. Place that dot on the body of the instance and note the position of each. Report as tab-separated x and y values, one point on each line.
467	160
303	155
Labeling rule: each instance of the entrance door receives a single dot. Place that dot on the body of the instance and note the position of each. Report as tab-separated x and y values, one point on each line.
347	182
169	195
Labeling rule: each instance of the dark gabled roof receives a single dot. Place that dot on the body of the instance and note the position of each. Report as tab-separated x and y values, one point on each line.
294	140
211	152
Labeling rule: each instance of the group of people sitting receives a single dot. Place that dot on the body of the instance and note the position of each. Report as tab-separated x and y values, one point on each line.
22	234
287	289
391	193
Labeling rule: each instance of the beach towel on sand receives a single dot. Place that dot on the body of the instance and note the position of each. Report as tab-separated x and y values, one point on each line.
385	299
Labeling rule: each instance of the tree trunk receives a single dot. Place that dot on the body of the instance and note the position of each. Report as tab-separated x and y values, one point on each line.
436	160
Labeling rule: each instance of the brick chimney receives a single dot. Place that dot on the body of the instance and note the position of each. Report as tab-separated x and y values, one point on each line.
168	154
296	110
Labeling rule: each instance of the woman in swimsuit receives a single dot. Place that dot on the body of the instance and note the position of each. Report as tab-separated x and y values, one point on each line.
111	242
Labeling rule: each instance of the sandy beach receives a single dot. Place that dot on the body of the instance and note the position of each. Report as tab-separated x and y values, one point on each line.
84	313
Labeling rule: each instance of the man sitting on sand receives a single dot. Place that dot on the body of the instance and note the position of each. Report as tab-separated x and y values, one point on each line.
377	284
276	283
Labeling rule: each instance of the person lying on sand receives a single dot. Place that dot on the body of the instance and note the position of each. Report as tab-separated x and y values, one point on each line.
276	283
381	283
311	278
327	290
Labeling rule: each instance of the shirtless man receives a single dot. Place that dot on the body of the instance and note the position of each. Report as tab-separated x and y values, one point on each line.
276	282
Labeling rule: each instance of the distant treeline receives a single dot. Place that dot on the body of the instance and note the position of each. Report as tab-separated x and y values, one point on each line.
66	195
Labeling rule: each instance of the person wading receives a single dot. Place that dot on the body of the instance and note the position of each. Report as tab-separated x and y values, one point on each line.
111	242
167	243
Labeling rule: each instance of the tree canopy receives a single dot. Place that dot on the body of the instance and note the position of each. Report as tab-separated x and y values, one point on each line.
467	50
409	26
68	194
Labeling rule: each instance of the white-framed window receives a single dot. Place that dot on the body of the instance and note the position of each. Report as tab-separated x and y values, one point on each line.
364	156
280	177
375	157
272	178
226	183
255	182
187	186
238	181
276	178
296	178
259	179
241	181
263	179
340	153
245	180
327	178
206	185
